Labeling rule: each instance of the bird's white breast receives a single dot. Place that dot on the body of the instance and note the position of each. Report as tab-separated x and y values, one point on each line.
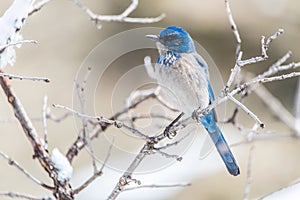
184	83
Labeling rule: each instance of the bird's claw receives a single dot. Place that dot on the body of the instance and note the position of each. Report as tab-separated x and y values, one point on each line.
170	132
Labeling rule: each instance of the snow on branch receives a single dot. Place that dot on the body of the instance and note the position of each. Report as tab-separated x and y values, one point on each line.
11	22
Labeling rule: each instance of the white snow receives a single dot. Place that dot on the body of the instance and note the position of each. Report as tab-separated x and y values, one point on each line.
62	165
10	23
291	192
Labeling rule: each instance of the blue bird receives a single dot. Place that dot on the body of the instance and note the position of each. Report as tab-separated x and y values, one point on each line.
183	76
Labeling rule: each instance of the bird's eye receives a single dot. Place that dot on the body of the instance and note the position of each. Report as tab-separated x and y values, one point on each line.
174	38
171	37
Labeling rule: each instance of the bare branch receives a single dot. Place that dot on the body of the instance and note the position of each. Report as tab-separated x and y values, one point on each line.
273	104
240	63
101	119
24	171
61	189
167	155
123	17
265	47
10	76
234	29
97	173
297	108
17	43
223	97
44	119
38	6
81	92
120	186
81	115
278	67
22	196
250	113
58	118
149	67
11	22
136	116
79	143
158	186
249	173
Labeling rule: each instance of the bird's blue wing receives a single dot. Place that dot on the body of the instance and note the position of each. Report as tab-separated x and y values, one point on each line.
210	92
202	64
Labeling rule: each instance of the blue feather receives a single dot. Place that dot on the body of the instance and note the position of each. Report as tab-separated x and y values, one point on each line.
209	123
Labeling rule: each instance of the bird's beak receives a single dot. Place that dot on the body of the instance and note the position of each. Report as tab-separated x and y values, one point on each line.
153	37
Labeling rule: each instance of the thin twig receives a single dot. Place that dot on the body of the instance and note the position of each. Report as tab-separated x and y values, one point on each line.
2	47
167	155
81	92
249	173
22	196
97	174
61	190
38	6
120	186
123	17
149	68
137	116
101	119
81	115
274	105
240	63
10	76
222	98
297	109
249	112
234	29
168	145
158	186
278	67
24	171
265	47
44	118
58	119
78	144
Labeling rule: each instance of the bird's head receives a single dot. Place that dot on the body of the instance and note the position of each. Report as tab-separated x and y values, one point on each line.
174	39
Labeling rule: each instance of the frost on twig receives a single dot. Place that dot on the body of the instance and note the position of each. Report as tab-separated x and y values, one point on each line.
123	17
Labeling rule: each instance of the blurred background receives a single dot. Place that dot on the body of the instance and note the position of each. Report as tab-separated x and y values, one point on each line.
66	36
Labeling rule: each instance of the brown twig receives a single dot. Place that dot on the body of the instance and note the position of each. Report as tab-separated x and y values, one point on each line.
79	143
61	190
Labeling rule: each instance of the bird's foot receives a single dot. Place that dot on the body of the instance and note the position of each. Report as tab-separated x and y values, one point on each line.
170	132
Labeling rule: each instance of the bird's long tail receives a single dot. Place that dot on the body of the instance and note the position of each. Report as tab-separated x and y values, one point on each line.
209	122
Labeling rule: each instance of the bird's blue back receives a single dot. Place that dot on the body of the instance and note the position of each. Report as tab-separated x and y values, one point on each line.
182	70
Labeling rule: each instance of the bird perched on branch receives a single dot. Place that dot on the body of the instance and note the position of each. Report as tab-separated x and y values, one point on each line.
183	76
